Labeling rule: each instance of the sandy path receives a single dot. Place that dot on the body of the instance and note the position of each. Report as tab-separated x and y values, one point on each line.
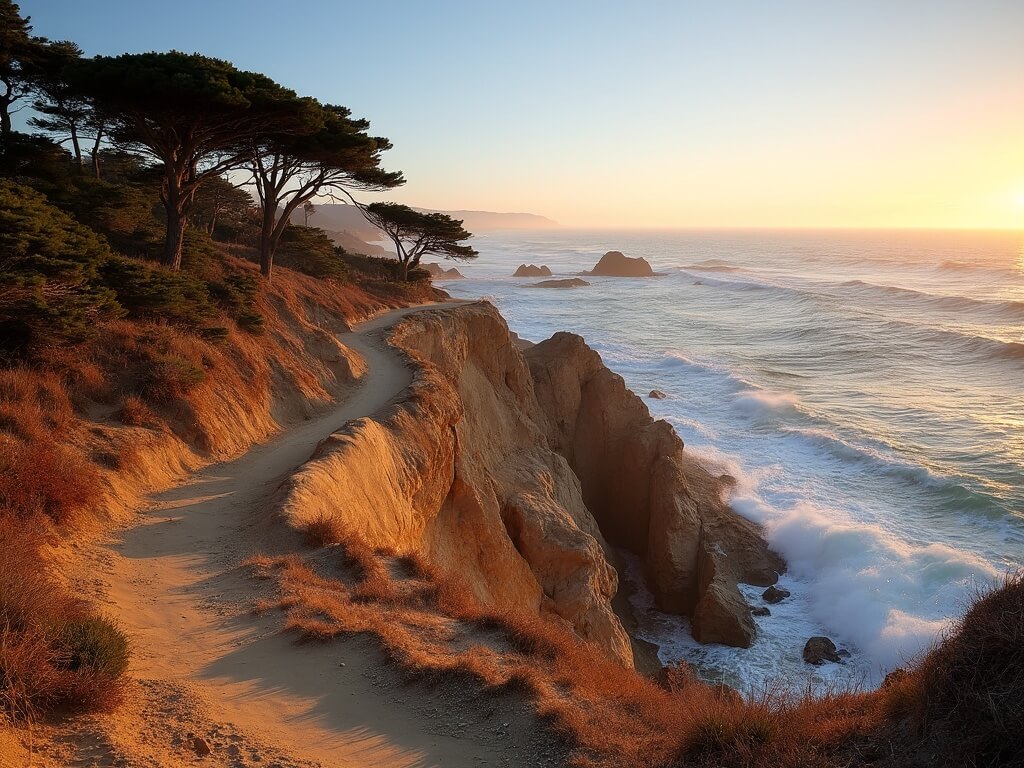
208	666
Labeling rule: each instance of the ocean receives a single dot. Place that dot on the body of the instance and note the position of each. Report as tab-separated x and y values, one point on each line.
866	388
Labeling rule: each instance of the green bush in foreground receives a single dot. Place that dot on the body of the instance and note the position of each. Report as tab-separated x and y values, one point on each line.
96	644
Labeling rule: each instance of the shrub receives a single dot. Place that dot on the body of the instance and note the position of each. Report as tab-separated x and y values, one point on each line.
95	644
323	530
42	477
169	377
309	250
149	291
135	413
51	292
965	699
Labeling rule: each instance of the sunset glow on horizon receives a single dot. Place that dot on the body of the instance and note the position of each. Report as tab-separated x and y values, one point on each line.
662	115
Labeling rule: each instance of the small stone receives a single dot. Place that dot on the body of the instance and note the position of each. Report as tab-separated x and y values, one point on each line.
760	610
657	394
201	747
775	594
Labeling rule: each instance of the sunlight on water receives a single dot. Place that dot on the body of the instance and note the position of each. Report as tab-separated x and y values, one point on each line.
865	388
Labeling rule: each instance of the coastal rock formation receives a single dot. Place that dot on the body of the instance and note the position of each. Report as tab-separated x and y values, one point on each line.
518	470
532	270
460	471
657	394
438	272
569	282
775	594
647	495
819	649
616	264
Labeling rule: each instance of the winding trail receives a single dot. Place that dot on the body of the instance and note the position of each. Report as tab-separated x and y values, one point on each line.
207	666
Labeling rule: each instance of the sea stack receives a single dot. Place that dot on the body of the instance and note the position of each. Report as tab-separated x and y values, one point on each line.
438	272
616	264
532	270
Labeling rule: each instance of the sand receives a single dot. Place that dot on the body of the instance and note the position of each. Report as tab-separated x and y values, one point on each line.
205	665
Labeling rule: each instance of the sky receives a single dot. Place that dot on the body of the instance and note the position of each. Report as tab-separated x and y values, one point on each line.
721	113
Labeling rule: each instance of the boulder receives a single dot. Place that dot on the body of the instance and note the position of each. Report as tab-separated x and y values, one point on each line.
820	649
657	394
616	264
532	270
571	282
440	273
775	594
760	610
201	746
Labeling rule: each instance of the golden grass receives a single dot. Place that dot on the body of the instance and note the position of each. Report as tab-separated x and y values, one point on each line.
431	627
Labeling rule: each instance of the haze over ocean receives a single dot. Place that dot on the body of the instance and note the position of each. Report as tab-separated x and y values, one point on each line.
865	388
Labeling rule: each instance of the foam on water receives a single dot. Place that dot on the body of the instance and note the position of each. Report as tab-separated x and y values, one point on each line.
864	390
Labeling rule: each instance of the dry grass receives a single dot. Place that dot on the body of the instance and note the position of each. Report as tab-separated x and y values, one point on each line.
53	650
432	627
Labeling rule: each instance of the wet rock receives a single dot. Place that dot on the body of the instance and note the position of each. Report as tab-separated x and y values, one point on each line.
616	264
657	394
760	610
820	649
569	282
775	594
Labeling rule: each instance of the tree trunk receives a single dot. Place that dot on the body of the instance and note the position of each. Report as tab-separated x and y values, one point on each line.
175	238
5	118
403	271
96	152
76	147
267	244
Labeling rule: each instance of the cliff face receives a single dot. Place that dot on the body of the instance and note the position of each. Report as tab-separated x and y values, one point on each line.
648	495
514	477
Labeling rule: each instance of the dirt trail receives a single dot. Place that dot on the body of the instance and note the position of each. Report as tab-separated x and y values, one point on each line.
207	666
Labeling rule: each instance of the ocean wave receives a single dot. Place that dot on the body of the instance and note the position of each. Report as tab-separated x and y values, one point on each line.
1014	309
712	265
986	347
874	590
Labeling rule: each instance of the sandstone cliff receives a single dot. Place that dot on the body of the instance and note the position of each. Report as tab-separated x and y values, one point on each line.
515	477
647	495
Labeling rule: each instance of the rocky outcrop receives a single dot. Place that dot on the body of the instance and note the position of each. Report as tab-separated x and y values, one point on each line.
570	282
438	272
616	264
532	270
775	594
519	470
820	649
657	394
461	472
647	495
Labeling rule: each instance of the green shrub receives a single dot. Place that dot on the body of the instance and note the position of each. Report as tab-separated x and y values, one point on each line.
96	644
309	250
51	291
149	291
252	322
168	377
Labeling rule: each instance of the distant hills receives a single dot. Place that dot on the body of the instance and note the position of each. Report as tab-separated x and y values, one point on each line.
338	217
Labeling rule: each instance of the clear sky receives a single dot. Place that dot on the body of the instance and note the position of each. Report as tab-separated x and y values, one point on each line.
664	114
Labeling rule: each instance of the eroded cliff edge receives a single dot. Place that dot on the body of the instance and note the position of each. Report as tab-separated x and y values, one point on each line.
519	473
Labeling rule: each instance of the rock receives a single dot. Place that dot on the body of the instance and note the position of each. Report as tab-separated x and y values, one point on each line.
676	676
615	264
440	273
723	617
647	495
461	472
531	270
760	610
820	649
775	594
201	746
570	282
657	394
